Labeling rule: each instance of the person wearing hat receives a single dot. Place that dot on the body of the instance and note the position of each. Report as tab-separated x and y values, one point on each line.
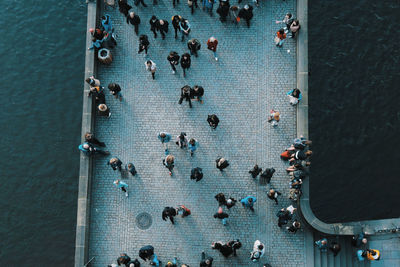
103	110
194	46
223	10
162	27
212	44
248	202
246	13
133	19
221	215
221	163
258	251
120	184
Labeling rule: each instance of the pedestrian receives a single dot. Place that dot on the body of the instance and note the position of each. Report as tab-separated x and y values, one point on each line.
274	117
123	259
181	140
246	13
143	44
151	66
230	202
280	37
322	244
115	163
258	251
359	240
248	202
291	209
194	46
172	263
173	2
192	4
223	10
205	261
196	174
120	184
193	145
235	245
90	150
208	6
89	137
96	43
173	59
185	63
283	217
221	215
370	254
197	93
169	212
164	137
168	162
133	263
233	14
97	33
153	27
220	197
255	171
146	252
225	249
287	20
109	40
212	44
294	28
107	24
294	227
186	94
93	82
133	19
162	27
103	110
294	96
115	90
124	7
213	121
184	26
184	211
137	2
221	163
131	168
175	23
273	195
335	248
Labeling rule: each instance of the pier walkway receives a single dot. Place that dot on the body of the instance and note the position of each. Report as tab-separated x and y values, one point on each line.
251	77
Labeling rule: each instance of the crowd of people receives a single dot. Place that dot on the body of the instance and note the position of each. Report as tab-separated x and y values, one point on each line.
298	154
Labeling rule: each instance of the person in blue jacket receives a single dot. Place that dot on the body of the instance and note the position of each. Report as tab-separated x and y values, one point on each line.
164	137
248	202
90	149
120	184
106	23
208	5
193	145
294	96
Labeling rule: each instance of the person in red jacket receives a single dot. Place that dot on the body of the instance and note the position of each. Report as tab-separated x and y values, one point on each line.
212	44
280	37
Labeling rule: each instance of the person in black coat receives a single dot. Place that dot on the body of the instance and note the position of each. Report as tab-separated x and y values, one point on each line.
220	197
194	46
143	43
175	23
255	171
246	13
221	163
162	27
124	7
169	212
173	59
135	263
225	249
284	217
146	252
213	121
196	174
205	261
123	259
185	63
153	27
198	92
223	10
234	244
267	175
134	20
186	94
89	137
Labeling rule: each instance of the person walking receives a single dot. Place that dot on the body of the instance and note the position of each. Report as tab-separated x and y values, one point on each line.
134	263
181	140
206	261
169	212
220	197
193	145
274	117
164	137
173	59
273	195
133	19
235	245
186	94
185	63
131	168
258	251
90	150
196	174
221	215
197	93
137	2
146	252
233	14
287	20
194	45
115	90
184	26
255	171
266	176
120	184
153	27
143	44
223	10
183	211
208	6
168	162
335	248
224	249
115	163
294	227
283	217
248	202
221	163
230	202
212	44
322	244
162	27
175	23
280	37
103	110
89	138
124	7
246	13
192	4
151	66
213	121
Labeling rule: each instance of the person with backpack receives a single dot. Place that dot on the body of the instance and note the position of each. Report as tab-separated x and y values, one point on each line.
221	164
255	171
184	26
173	59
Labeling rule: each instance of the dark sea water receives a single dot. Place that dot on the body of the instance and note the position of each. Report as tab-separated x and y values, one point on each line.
354	110
42	48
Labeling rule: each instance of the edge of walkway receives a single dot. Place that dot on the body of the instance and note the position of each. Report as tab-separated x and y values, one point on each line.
370	227
86	163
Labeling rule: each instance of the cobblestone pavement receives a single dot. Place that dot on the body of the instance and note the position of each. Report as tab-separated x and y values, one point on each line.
251	77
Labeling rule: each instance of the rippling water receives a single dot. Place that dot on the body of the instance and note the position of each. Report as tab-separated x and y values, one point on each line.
42	62
354	113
